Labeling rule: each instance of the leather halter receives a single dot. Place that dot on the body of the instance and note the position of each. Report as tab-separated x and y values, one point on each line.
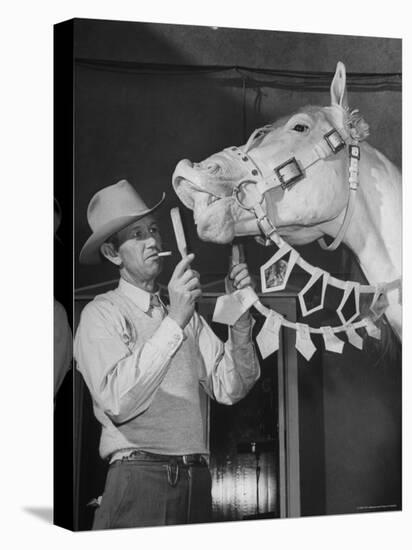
291	171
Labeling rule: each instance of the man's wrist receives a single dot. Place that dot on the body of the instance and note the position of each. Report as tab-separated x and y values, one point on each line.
241	331
169	334
176	320
244	322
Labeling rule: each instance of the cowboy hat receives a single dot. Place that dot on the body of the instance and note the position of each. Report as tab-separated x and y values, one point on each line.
111	209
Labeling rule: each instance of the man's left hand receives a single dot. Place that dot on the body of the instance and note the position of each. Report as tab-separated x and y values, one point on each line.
239	277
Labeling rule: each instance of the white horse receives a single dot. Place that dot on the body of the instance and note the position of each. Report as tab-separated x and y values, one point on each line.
297	173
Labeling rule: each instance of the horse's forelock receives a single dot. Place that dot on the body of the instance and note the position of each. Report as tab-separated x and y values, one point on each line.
310	109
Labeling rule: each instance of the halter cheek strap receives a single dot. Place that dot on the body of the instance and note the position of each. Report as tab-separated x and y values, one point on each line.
354	157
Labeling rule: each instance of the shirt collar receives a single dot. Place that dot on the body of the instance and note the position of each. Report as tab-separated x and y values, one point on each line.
139	296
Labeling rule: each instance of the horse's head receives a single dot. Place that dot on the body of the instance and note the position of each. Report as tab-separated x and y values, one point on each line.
298	197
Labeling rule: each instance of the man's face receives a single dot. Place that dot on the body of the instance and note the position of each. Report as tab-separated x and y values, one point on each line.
138	245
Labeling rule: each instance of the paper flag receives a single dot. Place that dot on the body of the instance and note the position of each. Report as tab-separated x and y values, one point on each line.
316	275
372	329
332	342
268	337
354	338
379	303
274	274
351	288
304	343
230	307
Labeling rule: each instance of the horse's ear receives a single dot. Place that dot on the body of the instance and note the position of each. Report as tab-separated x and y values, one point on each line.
338	86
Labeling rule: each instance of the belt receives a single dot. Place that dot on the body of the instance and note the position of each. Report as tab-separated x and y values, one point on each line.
182	460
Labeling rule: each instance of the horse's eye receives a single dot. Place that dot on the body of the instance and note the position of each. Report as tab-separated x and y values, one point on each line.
300	128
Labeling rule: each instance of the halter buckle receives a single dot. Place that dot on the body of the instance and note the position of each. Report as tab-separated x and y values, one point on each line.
334	140
288	173
354	152
266	226
269	230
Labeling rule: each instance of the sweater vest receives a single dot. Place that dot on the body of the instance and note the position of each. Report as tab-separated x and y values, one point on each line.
176	421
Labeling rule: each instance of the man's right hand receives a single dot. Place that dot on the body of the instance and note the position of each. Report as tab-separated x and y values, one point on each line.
184	290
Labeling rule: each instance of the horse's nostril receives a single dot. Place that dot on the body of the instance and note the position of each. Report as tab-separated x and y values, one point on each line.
212	167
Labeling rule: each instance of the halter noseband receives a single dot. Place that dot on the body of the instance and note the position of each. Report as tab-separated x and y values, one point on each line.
289	172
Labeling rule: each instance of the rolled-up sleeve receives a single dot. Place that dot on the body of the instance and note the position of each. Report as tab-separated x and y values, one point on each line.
230	369
122	379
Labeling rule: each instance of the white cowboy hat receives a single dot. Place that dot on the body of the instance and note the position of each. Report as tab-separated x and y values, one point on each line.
110	210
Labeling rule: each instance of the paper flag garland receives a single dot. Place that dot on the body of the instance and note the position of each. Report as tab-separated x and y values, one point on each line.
268	337
274	277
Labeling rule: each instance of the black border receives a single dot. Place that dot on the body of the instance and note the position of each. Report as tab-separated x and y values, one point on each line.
63	135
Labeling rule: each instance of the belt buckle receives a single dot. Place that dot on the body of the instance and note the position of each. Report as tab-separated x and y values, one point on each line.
185	460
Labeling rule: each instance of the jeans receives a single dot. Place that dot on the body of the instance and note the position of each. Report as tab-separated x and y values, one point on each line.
145	493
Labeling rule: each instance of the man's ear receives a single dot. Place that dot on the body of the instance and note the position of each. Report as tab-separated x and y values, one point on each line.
109	251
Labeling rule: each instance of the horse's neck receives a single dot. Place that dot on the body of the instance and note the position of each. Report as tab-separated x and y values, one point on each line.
374	233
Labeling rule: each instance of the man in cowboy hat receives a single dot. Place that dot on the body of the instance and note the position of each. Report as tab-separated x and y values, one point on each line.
150	370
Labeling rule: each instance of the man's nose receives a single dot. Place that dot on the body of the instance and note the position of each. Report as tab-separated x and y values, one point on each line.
152	241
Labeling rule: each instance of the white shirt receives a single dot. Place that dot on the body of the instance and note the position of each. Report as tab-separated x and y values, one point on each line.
123	377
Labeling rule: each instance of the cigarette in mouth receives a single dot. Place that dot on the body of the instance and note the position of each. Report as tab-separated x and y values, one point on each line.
167	253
